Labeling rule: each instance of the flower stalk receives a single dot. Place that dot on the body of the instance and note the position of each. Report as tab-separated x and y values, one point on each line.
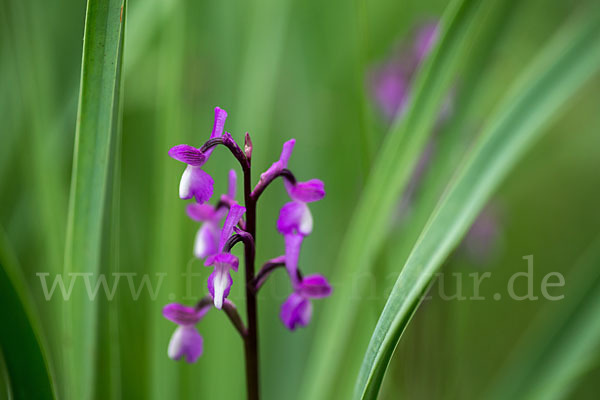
251	339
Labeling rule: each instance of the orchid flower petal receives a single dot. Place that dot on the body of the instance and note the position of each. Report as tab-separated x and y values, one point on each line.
223	258
296	311
219	284
183	315
231	188
314	286
280	164
286	152
295	217
201	212
196	183
185	342
188	154
306	192
207	240
218	125
235	213
292	253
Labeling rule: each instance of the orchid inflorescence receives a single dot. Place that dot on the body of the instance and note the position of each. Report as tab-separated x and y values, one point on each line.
214	242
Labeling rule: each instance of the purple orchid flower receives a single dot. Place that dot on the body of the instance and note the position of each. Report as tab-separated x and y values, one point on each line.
185	341
194	181
295	220
207	239
391	82
297	309
220	281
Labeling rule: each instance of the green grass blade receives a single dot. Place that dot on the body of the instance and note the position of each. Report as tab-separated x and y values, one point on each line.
24	368
561	343
571	58
389	176
167	255
5	388
92	186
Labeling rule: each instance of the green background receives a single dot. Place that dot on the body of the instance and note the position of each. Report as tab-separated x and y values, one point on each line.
282	69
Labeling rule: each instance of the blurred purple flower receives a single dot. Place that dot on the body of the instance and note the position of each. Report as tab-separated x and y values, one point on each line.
207	237
391	89
220	281
391	82
194	181
297	309
426	37
483	239
186	341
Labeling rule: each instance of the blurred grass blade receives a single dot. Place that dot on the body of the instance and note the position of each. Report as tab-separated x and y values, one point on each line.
166	253
92	186
5	389
389	175
561	344
571	58
24	366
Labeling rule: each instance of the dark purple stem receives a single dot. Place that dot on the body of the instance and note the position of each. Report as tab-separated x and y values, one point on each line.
249	238
206	301
235	318
262	185
241	236
265	272
231	145
251	339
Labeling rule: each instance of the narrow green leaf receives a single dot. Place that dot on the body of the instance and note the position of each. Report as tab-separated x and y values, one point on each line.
24	366
571	58
5	389
562	342
389	176
92	188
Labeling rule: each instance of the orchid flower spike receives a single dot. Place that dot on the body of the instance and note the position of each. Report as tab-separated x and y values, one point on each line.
207	238
220	281
391	82
297	309
194	181
186	341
